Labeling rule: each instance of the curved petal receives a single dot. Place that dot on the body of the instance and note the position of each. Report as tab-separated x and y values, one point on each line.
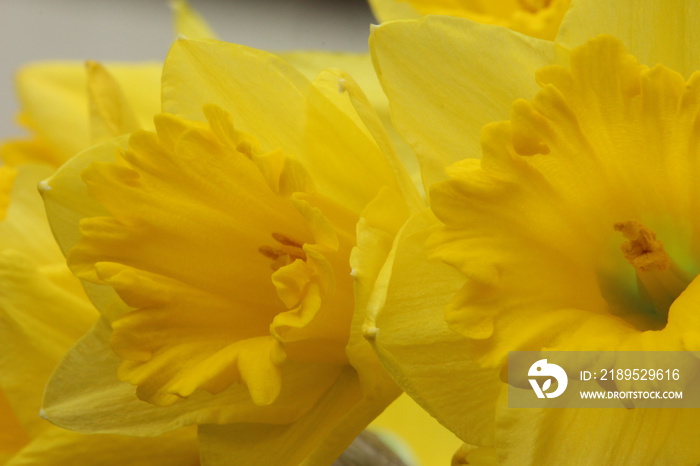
428	360
68	203
656	31
84	394
447	77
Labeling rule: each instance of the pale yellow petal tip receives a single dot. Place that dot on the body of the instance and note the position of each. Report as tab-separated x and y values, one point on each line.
341	85
44	186
190	23
43	415
370	331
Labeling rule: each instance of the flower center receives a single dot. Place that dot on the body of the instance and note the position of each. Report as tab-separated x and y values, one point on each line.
659	279
285	252
529	225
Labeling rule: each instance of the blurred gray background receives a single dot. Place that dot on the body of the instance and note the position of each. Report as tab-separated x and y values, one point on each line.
134	30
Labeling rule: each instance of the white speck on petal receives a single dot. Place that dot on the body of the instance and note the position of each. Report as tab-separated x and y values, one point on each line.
370	331
44	186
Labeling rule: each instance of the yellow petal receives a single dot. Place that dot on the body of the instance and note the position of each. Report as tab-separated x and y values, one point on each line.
140	87
338	417
378	226
38	323
406	326
58	447
18	151
85	395
441	113
55	103
199	72
359	67
597	436
110	113
673	23
189	23
67	203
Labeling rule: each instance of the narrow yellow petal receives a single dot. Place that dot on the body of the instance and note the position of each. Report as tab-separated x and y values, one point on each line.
414	342
110	113
189	23
54	102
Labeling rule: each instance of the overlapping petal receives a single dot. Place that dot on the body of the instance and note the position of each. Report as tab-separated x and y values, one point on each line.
440	101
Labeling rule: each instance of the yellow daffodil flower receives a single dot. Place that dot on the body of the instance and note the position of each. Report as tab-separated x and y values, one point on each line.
576	230
536	18
217	250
